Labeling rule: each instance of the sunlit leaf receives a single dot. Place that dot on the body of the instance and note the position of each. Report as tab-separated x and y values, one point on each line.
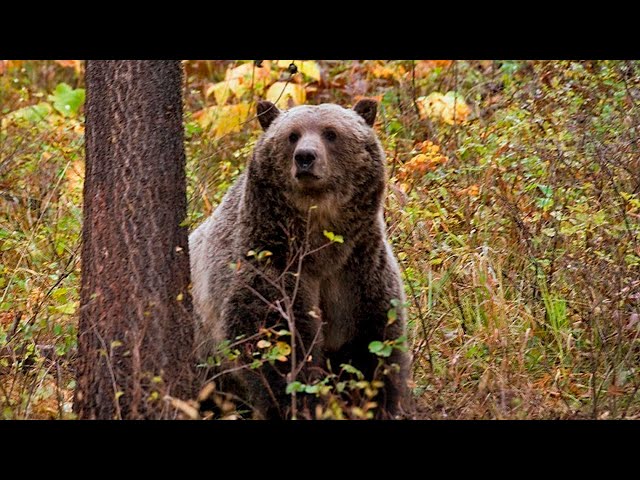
221	92
286	95
450	108
223	119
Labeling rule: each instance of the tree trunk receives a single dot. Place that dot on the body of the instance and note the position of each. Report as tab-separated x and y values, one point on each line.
135	337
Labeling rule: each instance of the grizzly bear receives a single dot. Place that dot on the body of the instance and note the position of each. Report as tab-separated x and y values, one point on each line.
299	243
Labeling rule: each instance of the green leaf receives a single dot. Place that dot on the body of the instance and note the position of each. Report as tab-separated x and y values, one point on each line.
255	364
392	316
312	389
67	100
353	370
400	345
401	340
264	254
386	351
33	113
376	346
544	203
66	309
546	190
295	387
381	349
59	293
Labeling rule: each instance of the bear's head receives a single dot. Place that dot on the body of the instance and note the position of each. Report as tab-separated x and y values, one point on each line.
320	153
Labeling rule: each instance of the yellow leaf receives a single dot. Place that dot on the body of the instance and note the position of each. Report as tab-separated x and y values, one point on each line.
239	80
221	91
286	95
283	348
382	71
308	68
223	119
448	108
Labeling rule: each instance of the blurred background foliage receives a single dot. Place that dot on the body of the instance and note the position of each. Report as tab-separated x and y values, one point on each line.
513	207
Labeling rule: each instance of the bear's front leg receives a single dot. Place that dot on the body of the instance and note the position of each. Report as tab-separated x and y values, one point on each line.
370	289
392	370
260	309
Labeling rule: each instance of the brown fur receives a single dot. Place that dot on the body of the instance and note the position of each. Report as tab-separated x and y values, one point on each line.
349	284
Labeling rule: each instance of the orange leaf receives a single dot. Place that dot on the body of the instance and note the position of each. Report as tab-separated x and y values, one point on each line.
75	64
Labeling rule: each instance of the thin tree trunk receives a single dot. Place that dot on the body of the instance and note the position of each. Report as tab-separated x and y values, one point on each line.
135	337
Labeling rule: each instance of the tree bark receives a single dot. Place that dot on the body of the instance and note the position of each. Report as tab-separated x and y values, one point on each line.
135	336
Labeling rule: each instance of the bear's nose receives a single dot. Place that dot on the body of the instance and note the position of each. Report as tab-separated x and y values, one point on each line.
304	159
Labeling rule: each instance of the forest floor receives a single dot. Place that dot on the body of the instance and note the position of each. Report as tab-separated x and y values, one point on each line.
513	207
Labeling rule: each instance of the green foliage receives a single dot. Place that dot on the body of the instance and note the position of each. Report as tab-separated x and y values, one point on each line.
67	100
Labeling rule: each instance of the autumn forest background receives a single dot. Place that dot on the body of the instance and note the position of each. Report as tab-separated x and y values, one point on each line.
513	208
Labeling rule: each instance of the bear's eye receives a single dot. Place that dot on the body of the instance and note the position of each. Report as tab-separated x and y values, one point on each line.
330	135
293	137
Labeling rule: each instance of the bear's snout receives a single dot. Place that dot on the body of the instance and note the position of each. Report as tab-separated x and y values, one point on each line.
308	162
304	161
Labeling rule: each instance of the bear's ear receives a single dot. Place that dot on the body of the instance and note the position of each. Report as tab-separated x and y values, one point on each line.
367	109
267	113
